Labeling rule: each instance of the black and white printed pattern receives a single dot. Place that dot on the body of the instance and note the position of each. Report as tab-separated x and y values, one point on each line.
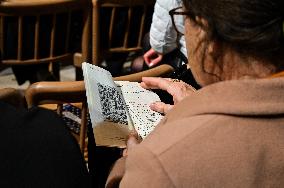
113	106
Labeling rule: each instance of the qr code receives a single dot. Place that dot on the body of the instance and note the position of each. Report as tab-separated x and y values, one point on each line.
113	106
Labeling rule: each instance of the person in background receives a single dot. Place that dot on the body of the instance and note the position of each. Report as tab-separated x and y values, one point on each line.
164	45
37	149
165	42
230	132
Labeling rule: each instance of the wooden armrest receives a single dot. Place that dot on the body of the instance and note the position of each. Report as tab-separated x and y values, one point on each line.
55	92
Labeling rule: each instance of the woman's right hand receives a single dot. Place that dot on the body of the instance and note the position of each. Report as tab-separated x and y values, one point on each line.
177	88
152	57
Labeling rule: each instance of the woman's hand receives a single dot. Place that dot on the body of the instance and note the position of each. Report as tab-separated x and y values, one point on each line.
152	57
178	89
132	141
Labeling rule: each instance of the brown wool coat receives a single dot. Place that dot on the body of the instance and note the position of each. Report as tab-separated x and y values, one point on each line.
229	134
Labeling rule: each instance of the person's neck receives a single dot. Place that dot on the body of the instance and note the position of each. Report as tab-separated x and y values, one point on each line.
237	67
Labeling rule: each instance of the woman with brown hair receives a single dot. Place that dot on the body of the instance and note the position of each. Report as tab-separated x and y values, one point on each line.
230	132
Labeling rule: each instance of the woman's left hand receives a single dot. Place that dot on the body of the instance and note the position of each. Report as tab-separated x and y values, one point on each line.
132	141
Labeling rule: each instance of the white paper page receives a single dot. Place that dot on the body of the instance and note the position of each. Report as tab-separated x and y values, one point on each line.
105	101
138	101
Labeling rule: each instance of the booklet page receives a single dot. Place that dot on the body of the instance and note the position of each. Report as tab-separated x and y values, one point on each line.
138	102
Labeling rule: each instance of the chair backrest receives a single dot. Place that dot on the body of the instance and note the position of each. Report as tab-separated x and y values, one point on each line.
33	32
119	26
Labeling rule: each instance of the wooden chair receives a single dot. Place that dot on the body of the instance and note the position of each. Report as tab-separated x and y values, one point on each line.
74	92
118	27
35	32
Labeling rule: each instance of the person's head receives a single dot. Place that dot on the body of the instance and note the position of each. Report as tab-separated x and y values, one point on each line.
224	36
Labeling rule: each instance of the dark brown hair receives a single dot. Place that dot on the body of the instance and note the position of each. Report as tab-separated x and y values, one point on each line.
252	27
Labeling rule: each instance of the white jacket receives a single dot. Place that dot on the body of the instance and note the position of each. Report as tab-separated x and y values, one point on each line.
163	36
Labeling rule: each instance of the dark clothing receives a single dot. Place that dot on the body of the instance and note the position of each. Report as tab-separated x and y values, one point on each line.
100	160
32	73
37	150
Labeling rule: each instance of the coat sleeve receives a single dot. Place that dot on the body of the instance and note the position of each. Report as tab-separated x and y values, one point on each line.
143	169
163	37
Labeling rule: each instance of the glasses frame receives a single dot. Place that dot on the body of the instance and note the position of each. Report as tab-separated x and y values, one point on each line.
175	12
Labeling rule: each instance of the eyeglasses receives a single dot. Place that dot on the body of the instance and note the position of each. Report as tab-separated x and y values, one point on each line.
177	17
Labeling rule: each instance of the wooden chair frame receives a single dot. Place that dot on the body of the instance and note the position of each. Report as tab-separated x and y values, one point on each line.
37	9
98	52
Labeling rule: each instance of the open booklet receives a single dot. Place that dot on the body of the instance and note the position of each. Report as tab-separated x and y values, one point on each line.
117	107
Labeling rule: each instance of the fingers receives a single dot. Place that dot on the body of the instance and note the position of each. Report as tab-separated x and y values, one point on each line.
146	59
132	141
178	89
155	61
164	83
161	107
155	83
147	56
152	58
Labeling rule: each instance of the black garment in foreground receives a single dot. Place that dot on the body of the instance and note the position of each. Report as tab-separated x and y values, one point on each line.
37	150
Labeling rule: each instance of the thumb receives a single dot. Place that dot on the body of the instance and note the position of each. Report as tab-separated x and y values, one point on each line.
132	140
